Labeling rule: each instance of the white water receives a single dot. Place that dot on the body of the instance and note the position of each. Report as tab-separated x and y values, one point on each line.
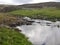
41	33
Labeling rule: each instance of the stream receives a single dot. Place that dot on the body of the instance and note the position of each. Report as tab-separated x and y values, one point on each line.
42	32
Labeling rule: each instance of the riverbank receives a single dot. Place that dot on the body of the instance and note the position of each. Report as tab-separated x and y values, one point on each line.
12	37
52	14
13	21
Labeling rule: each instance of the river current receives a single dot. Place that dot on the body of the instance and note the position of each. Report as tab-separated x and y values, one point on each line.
42	32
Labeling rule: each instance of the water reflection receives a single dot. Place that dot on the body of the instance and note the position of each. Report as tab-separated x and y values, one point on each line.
43	33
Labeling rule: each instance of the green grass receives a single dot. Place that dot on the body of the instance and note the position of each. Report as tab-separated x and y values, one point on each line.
11	37
39	13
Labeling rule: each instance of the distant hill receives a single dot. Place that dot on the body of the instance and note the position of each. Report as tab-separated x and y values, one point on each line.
7	8
42	5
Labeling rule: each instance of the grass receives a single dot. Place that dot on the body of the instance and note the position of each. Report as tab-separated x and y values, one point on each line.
8	19
47	13
11	37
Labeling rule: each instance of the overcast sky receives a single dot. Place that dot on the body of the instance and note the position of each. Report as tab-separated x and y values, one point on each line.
23	1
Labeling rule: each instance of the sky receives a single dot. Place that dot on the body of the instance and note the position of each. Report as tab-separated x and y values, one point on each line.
16	2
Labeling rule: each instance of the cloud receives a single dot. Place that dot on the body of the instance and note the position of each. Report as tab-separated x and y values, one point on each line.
6	2
22	1
57	0
15	1
36	1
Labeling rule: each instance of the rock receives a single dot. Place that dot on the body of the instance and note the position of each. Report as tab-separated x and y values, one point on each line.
28	23
44	44
16	29
58	26
13	25
27	18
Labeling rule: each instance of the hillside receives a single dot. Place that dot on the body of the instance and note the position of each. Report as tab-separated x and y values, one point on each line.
47	10
42	5
6	8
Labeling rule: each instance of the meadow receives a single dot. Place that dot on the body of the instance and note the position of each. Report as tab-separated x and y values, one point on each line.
44	13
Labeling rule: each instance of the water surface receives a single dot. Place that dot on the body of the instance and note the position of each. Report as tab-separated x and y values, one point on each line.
42	32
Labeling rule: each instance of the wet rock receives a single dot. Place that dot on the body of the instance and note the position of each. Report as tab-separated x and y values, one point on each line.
31	21
16	29
27	18
58	26
44	44
38	22
18	23
12	25
48	24
28	23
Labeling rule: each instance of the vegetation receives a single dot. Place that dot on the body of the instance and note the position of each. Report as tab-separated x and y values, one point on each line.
11	37
8	19
9	15
46	13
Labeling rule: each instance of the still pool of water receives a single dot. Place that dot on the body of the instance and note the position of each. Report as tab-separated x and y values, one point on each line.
42	33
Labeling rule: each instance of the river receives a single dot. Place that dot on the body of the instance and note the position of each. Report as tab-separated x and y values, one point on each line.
42	32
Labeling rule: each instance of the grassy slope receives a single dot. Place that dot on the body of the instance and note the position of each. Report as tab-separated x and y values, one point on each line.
11	37
39	13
